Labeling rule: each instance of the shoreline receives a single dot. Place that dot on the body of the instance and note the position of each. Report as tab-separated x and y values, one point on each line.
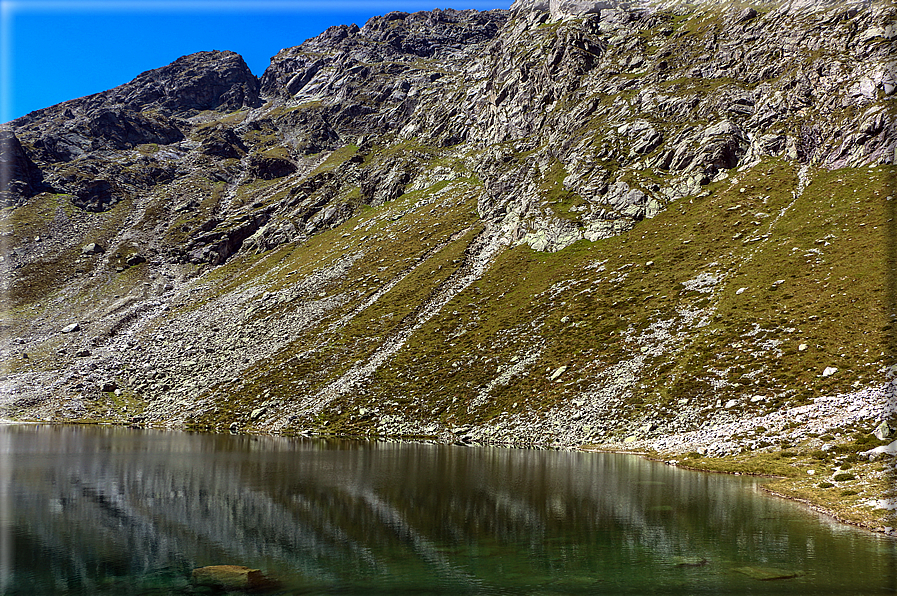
882	530
829	513
809	504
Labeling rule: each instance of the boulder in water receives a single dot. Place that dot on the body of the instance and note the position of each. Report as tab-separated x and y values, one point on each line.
231	577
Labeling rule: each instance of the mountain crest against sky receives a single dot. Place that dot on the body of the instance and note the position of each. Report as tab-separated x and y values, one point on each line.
656	225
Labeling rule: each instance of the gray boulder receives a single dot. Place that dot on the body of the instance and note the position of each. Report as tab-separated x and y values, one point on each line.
883	431
92	249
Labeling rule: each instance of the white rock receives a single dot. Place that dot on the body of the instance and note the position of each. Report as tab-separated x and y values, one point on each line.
557	373
740	291
882	503
889	449
802	347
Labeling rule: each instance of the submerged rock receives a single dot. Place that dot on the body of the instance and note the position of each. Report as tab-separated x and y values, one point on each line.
231	577
689	561
766	573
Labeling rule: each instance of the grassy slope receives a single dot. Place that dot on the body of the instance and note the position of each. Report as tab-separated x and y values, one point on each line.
834	301
412	238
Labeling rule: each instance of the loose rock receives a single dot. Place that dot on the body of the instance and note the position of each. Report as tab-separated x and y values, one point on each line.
92	249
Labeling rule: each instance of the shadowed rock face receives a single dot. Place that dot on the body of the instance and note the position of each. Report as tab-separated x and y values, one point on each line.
359	228
20	178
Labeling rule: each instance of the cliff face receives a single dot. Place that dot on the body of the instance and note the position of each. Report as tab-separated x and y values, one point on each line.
568	222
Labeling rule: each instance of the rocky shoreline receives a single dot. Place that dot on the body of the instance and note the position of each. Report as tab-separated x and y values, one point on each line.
877	529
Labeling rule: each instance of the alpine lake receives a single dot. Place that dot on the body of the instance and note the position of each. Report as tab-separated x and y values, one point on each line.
105	510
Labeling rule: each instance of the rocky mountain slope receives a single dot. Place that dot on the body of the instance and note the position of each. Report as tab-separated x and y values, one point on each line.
652	225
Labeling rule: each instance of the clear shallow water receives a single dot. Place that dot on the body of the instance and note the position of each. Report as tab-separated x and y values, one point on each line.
119	511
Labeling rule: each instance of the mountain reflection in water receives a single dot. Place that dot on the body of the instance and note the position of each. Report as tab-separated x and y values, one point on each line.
93	510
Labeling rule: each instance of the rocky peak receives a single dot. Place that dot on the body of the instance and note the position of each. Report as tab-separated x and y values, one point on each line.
564	9
369	80
144	110
575	8
433	34
150	110
212	80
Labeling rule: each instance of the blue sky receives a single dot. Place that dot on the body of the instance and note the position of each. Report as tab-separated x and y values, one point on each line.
55	50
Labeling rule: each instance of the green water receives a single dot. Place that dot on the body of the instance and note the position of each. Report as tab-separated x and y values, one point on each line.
120	511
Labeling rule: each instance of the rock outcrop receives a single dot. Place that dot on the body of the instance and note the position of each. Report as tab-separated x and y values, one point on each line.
20	178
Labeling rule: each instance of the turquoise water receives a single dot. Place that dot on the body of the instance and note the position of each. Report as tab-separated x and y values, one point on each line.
120	511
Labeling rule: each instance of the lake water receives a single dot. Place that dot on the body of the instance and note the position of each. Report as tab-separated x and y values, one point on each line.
88	510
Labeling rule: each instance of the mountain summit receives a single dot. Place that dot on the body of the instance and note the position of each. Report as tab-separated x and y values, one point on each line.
662	226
